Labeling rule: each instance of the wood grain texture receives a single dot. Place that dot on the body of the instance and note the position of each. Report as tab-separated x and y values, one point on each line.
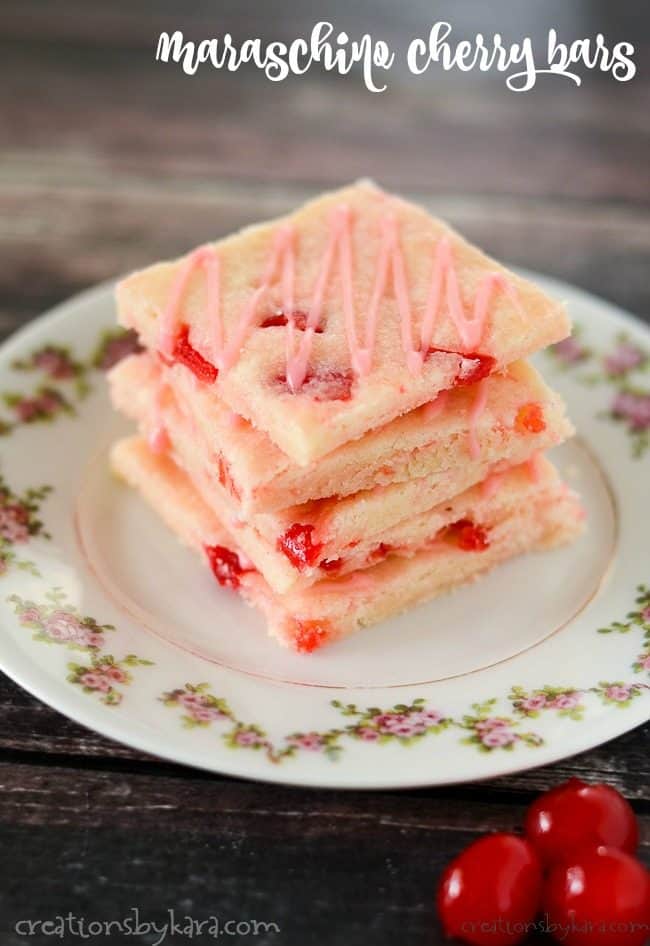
109	160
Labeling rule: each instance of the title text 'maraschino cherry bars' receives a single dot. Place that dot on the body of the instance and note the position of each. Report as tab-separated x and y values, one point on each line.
334	409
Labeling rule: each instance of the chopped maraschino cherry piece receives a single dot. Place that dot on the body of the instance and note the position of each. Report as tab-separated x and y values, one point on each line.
331	564
382	550
468	536
473	367
576	814
225	565
299	321
530	419
598	896
325	385
310	635
187	355
225	476
491	891
299	547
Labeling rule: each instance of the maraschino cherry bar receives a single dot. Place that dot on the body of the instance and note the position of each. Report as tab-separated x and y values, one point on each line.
333	409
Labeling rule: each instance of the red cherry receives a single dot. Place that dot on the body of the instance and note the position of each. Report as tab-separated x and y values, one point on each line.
530	419
467	536
473	367
192	359
324	385
299	321
576	814
308	636
225	565
298	545
331	564
491	892
598	897
225	476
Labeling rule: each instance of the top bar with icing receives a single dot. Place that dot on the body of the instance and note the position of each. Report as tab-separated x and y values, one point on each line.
336	319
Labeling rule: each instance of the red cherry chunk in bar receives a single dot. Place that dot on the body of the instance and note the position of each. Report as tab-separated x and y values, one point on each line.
308	636
473	367
324	385
225	565
530	419
467	535
299	319
298	545
187	355
331	565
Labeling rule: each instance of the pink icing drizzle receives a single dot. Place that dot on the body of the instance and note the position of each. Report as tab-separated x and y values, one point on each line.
158	438
480	401
494	480
444	286
435	408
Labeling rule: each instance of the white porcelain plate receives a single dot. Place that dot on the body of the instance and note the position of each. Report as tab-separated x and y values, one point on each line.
106	618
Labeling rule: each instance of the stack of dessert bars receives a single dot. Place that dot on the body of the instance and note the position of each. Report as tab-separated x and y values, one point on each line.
334	411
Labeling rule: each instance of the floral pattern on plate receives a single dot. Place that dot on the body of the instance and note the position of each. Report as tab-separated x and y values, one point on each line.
622	367
55	621
491	723
19	522
63	378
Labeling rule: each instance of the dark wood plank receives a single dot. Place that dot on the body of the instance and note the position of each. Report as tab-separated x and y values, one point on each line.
327	867
108	161
101	224
116	107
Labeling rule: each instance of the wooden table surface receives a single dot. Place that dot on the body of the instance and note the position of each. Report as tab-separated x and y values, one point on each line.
109	160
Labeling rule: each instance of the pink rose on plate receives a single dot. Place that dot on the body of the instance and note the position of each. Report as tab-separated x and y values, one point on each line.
31	616
204	714
95	680
86	637
14	523
566	701
27	408
367	734
498	738
645	614
569	350
62	625
399	724
53	362
491	723
311	741
426	718
533	703
623	359
246	737
116	674
635	408
618	693
644	661
118	348
192	699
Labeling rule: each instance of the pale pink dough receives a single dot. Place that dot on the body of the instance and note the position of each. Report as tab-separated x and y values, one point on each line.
386	307
332	608
357	532
425	449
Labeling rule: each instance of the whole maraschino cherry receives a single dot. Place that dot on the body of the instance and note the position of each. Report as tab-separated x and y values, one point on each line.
598	896
491	892
575	815
595	893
